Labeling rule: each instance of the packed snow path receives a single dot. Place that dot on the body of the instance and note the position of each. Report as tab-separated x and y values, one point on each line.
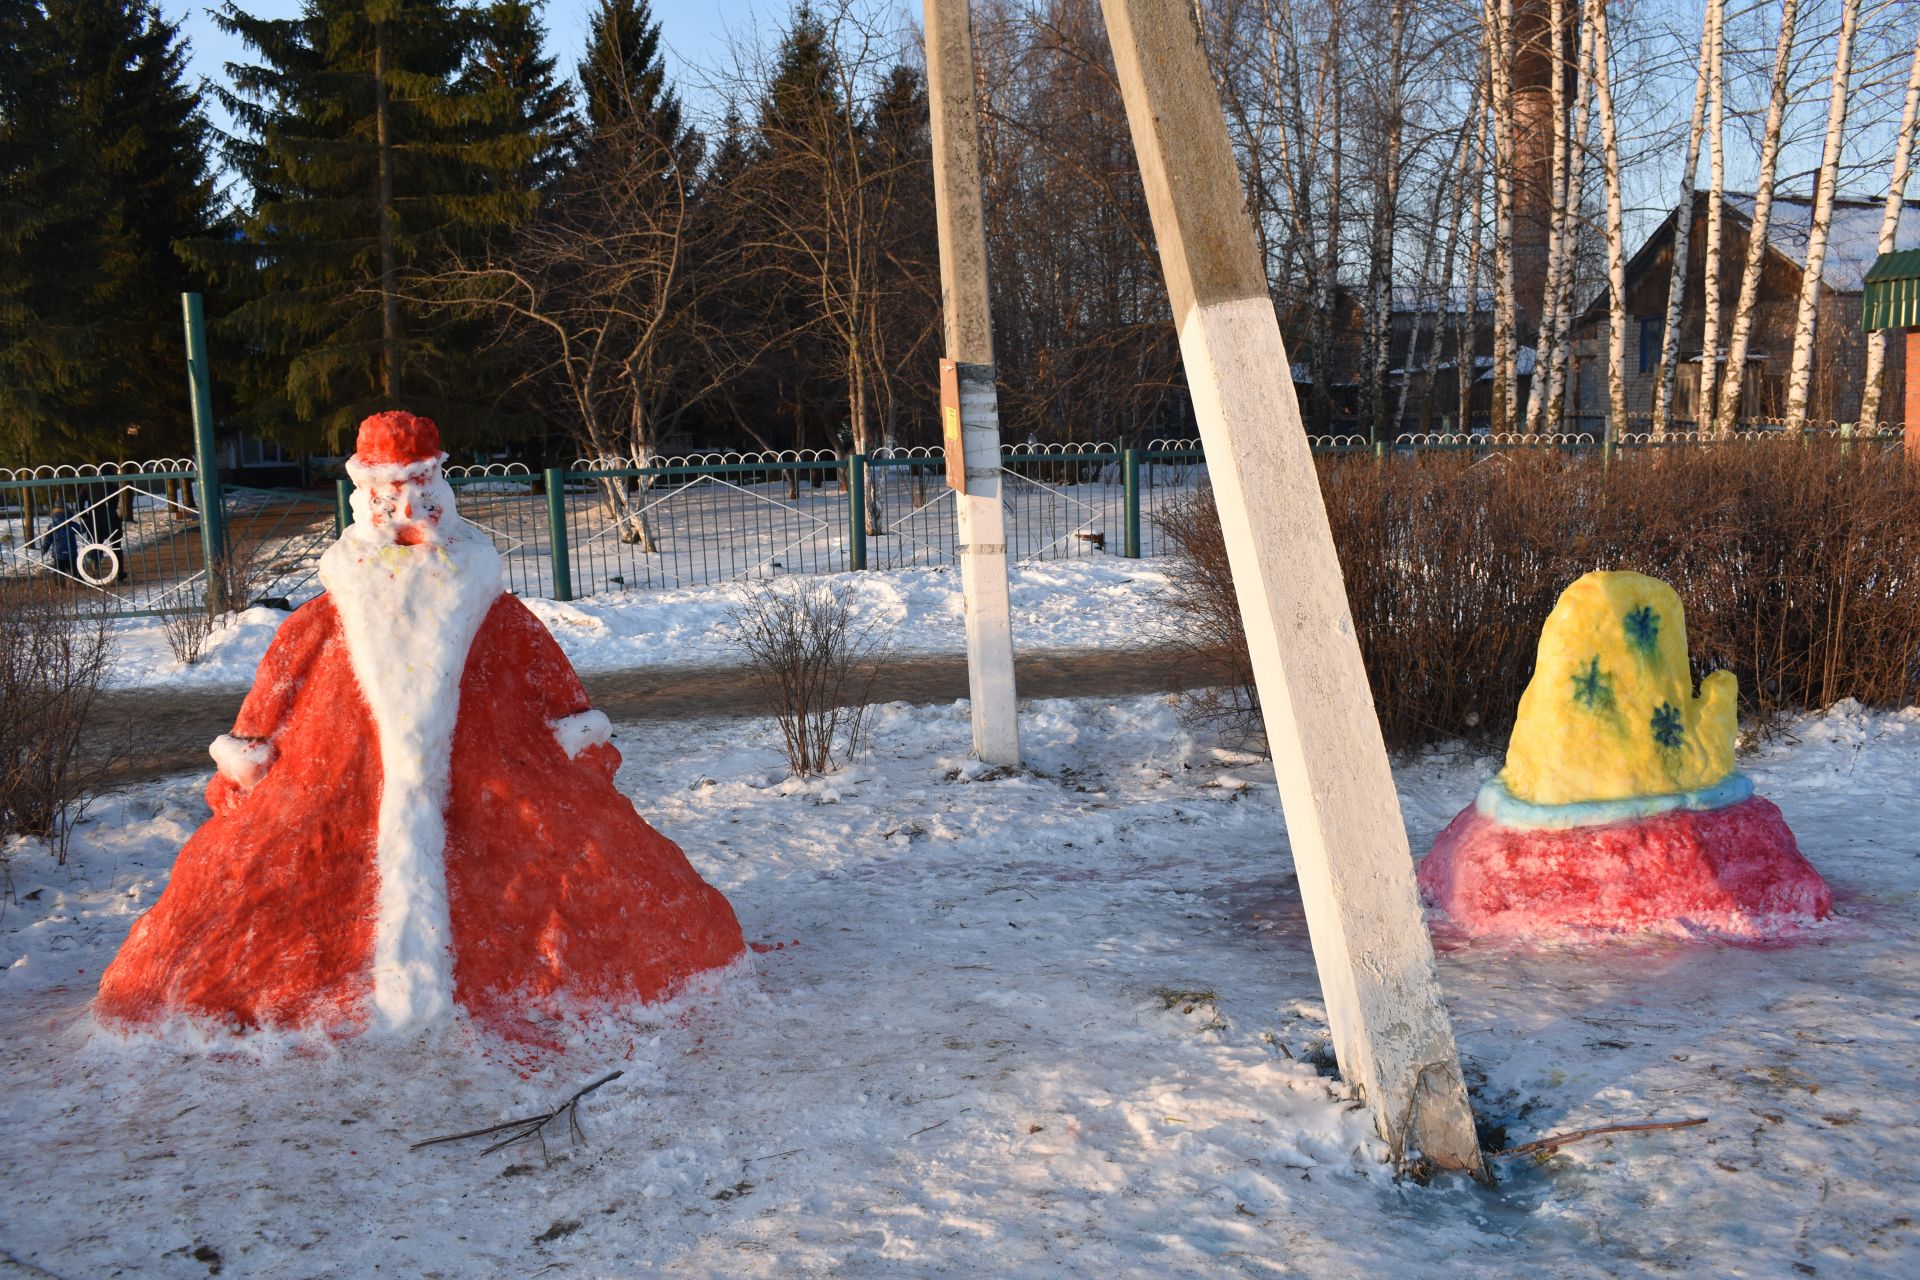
1025	1024
168	730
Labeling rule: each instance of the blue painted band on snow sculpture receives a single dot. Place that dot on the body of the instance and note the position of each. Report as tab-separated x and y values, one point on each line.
1499	804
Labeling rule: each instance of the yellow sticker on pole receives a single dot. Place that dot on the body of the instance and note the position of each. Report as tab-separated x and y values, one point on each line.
950	426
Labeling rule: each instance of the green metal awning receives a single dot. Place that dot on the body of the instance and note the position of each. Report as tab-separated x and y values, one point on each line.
1892	294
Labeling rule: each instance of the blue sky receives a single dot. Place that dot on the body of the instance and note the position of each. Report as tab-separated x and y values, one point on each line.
694	31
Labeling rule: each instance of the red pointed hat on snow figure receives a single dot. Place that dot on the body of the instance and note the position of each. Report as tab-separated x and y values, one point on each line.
415	809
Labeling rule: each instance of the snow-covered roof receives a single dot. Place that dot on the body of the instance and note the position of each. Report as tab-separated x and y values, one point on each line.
1523	359
1450	299
1853	240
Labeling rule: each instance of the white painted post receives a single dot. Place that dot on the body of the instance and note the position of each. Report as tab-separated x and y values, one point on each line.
969	334
1391	1032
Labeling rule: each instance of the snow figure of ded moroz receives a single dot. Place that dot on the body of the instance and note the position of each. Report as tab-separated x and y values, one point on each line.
415	810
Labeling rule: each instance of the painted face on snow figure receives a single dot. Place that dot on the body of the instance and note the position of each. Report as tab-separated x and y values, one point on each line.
408	511
400	496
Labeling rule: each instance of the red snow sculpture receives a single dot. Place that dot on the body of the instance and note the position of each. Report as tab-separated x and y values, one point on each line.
1735	870
415	809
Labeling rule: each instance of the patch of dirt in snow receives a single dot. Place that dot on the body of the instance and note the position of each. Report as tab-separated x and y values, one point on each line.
1006	1023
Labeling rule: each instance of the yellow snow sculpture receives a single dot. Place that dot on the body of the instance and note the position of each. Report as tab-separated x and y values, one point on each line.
1610	712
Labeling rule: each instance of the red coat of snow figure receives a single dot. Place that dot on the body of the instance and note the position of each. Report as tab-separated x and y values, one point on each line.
415	809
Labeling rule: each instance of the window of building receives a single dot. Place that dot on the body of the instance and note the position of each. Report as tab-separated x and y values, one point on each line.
1652	330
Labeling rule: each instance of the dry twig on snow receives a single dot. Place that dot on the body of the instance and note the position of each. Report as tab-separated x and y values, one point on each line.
1559	1140
529	1126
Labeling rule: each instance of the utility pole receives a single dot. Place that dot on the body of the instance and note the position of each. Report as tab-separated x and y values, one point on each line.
1391	1030
969	336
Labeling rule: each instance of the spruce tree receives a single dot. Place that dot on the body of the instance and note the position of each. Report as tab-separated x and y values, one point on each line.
371	151
532	112
102	170
623	80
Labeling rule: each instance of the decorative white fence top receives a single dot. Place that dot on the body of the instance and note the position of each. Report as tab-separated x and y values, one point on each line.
482	470
96	470
1068	449
713	458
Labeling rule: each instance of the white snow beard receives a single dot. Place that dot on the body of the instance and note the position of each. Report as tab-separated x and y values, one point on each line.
409	615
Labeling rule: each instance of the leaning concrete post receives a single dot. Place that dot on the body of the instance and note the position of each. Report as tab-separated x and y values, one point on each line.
1391	1031
963	292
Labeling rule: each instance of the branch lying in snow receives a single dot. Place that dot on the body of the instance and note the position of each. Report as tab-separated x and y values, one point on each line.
1562	1139
28	1267
530	1126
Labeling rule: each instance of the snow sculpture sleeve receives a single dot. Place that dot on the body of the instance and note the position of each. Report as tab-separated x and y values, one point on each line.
295	648
583	733
241	761
582	729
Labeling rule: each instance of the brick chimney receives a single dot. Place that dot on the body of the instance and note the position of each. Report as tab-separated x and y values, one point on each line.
1533	69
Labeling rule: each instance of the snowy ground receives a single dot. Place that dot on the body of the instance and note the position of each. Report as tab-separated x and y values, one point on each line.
1023	1025
1064	604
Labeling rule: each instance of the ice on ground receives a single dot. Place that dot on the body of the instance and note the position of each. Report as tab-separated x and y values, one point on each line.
1056	605
1026	1023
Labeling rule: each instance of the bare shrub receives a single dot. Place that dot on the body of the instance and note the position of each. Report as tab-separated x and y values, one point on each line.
1205	629
54	653
1797	562
816	663
232	583
187	631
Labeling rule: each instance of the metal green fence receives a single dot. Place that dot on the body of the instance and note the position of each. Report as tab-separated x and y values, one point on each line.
123	535
129	536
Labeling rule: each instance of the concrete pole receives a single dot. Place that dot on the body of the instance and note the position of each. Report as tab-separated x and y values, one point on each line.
969	334
1391	1030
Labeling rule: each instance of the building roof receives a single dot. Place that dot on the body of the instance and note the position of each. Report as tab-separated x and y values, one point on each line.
1901	264
1853	239
1892	295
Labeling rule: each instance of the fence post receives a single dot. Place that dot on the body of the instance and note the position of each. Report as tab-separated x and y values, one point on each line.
342	506
1379	452
1606	455
213	533
1130	473
1846	438
557	533
857	511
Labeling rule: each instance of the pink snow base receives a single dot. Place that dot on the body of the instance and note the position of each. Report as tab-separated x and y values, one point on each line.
1734	870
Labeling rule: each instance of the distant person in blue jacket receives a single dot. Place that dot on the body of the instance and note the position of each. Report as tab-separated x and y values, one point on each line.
62	541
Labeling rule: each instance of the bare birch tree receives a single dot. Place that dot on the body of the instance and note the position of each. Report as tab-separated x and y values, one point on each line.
1546	346
1903	145
1466	362
1498	27
1734	383
1616	225
1801	376
1386	194
1683	233
1442	297
1565	235
1711	262
1329	131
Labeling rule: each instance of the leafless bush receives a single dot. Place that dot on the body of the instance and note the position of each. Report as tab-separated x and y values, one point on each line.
1205	629
1797	563
187	631
232	583
54	654
816	663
